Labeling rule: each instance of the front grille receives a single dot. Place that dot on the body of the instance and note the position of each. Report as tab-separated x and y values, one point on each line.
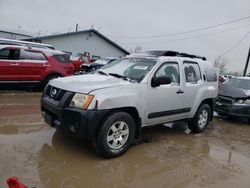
57	96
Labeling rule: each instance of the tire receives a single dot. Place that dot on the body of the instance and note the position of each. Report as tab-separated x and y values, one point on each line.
115	135
46	81
201	119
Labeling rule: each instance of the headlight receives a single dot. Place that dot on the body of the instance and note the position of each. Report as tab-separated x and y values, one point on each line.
247	102
81	100
242	102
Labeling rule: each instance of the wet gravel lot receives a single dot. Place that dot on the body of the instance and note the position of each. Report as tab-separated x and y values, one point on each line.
42	157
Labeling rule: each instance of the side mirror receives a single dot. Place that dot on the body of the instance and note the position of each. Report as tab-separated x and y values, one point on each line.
162	80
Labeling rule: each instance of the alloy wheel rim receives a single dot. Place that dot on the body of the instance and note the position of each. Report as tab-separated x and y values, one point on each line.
203	117
117	135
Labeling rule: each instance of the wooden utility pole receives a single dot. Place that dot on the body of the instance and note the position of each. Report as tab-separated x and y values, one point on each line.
246	66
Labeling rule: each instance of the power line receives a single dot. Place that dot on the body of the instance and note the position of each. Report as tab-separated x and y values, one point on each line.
192	37
236	45
184	32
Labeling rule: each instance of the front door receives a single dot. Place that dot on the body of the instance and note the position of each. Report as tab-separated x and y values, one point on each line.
165	102
9	64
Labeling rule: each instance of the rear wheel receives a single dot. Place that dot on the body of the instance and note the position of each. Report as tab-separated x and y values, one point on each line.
115	135
201	119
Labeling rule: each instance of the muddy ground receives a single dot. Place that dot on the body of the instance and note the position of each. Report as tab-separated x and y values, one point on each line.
42	157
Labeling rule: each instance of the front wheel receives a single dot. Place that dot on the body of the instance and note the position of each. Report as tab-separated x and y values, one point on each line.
115	135
201	119
46	81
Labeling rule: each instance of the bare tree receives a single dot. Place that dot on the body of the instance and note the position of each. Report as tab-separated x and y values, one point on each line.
221	62
136	49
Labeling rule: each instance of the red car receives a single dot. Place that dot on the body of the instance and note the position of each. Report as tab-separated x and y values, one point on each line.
81	59
21	64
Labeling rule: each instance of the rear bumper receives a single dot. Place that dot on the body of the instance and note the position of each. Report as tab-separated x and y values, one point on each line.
77	123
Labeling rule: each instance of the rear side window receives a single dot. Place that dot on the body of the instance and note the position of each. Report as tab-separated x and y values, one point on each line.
62	58
210	74
192	72
30	55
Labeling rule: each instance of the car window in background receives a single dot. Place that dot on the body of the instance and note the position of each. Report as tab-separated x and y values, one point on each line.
11	54
239	83
62	58
29	55
4	53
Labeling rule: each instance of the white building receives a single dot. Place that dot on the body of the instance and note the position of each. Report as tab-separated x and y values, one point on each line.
10	34
84	41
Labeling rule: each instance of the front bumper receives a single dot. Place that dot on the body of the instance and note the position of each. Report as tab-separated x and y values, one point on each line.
74	122
233	110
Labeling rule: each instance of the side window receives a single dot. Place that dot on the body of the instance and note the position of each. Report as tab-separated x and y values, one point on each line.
171	70
10	54
211	74
29	55
4	53
192	72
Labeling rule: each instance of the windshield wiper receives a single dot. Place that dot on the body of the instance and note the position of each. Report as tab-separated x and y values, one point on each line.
103	73
123	77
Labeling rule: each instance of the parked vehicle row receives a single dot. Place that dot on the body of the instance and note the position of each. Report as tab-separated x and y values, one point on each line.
21	64
111	106
92	67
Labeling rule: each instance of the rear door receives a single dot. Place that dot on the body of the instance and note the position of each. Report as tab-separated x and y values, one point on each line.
9	64
33	65
193	81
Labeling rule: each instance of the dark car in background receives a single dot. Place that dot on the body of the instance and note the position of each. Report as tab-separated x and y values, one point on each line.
234	98
99	63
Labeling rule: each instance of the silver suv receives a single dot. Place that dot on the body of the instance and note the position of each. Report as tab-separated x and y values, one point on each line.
112	106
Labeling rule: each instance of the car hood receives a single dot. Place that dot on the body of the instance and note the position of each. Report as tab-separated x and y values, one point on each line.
232	92
87	83
91	64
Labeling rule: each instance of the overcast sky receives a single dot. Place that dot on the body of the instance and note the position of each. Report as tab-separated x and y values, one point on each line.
142	18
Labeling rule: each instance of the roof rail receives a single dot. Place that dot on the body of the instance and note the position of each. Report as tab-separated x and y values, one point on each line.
158	53
181	54
24	43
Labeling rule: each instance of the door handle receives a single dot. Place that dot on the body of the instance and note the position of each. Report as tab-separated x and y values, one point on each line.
46	65
180	91
14	64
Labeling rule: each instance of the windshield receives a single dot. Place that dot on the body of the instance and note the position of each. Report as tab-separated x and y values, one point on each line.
132	68
102	61
239	83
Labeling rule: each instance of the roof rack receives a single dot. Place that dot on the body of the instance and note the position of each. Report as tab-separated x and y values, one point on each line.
158	53
24	43
178	54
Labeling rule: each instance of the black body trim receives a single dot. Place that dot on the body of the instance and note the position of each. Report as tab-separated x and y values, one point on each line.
168	113
74	122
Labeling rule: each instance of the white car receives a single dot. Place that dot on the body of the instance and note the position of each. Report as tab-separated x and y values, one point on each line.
111	106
